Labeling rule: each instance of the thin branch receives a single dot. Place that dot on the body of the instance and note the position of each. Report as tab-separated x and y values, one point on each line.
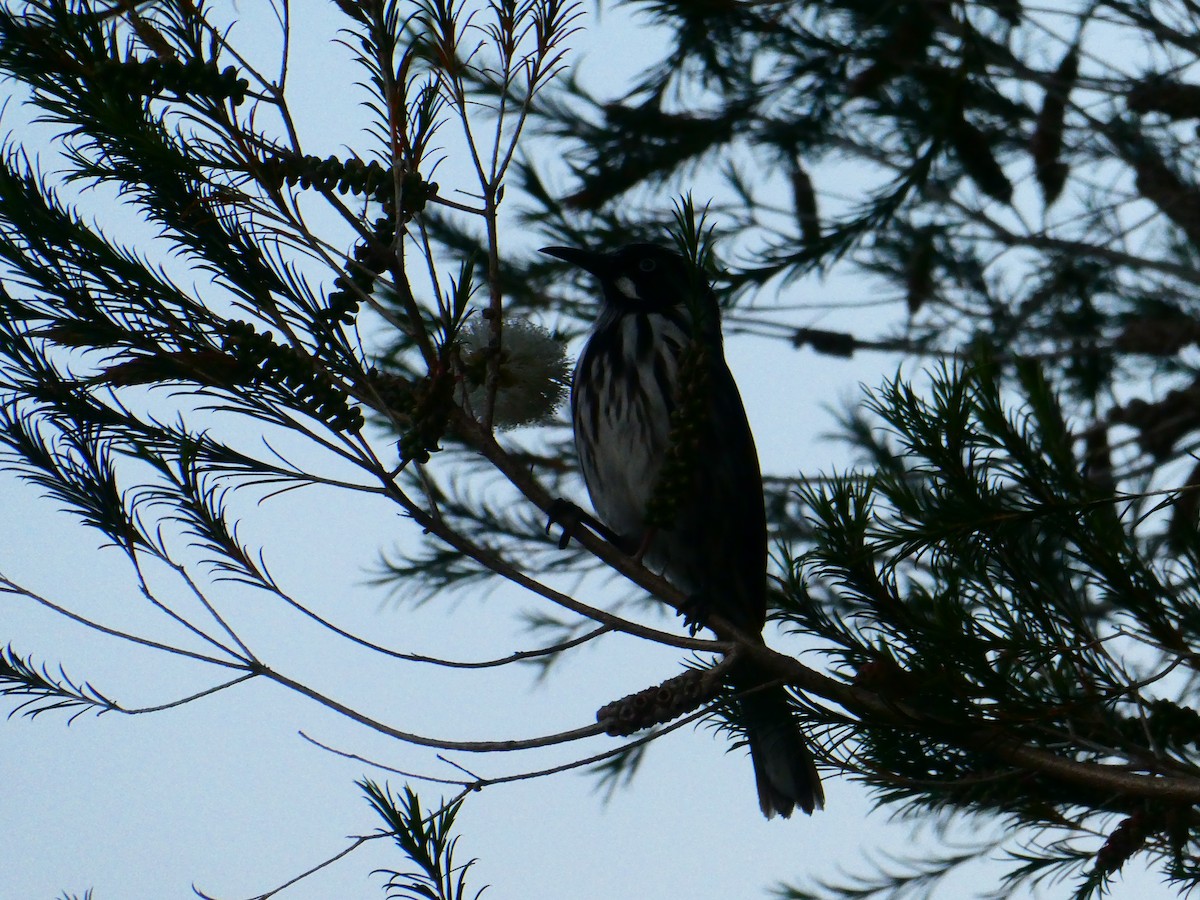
340	855
188	699
9	587
549	740
518	656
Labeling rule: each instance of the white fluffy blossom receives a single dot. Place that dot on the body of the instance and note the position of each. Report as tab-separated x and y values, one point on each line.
534	371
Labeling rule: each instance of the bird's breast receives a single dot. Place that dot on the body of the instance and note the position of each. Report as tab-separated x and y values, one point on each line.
623	394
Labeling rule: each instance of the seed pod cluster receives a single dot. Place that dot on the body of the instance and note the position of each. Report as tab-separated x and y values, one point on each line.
1159	183
661	703
1046	145
421	407
352	176
395	392
1125	840
430	404
349	176
829	343
1170	724
1097	458
974	152
372	258
1161	424
156	75
314	391
918	271
804	197
1158	336
1161	94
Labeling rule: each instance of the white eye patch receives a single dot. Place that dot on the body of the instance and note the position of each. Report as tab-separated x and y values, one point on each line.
627	288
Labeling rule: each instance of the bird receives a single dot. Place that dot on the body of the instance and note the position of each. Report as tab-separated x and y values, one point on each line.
657	329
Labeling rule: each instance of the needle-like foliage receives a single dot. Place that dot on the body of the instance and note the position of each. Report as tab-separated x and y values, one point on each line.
427	839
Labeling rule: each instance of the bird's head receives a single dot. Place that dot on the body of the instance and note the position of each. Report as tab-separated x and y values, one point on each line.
642	277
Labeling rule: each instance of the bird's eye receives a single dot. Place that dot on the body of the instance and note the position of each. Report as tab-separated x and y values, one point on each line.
647	265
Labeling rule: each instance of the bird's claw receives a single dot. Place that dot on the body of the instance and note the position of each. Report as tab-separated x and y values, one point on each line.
694	611
572	518
567	514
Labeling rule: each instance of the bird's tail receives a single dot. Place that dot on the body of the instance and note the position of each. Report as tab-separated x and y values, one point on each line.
783	765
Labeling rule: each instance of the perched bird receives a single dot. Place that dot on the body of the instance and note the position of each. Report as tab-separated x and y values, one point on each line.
656	349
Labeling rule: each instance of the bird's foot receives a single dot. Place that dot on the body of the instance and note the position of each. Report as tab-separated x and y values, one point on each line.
695	611
572	518
568	515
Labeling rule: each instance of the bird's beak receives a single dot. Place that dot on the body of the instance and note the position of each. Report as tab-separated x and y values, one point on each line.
588	260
